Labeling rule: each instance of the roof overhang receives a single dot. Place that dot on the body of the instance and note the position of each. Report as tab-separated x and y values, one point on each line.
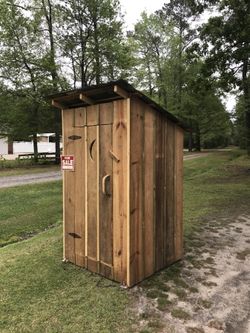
104	93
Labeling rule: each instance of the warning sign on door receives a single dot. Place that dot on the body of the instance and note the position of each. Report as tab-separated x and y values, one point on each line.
68	162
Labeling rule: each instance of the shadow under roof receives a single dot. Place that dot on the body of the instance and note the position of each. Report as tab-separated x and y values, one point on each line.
104	93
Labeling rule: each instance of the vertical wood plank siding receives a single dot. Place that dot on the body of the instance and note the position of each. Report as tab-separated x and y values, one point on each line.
129	225
178	193
137	194
93	188
120	174
79	151
148	194
69	188
156	192
106	201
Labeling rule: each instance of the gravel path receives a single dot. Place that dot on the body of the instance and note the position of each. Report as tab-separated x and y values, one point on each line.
193	156
33	178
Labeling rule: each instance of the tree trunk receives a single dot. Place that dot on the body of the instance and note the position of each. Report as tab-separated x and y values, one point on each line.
35	147
83	78
180	71
150	87
97	52
54	75
248	128
57	135
190	141
246	91
198	139
73	67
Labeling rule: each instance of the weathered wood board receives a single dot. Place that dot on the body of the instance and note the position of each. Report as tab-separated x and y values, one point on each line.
123	202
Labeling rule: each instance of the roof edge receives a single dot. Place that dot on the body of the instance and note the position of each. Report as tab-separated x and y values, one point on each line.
85	94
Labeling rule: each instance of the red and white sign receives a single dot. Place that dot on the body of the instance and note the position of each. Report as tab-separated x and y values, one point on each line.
68	162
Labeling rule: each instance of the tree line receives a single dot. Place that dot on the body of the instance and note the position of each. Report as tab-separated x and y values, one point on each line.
183	64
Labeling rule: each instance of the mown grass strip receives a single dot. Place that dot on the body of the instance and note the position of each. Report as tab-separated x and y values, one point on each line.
41	294
29	209
216	185
16	169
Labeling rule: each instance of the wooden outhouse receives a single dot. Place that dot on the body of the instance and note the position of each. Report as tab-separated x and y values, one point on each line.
122	182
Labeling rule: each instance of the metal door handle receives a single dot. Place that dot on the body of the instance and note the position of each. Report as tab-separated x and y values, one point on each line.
105	187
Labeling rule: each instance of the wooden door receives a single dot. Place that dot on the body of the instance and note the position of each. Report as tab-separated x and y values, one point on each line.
88	194
106	201
99	171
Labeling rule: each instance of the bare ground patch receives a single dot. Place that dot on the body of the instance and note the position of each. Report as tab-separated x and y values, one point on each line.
208	291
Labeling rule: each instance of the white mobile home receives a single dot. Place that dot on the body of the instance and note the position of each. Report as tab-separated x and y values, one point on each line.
3	146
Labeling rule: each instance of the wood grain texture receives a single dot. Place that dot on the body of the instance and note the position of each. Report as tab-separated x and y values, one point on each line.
178	192
120	174
148	196
98	189
79	151
137	220
64	188
86	193
80	117
170	199
92	115
128	110
69	188
106	201
164	193
92	191
106	113
134	228
159	189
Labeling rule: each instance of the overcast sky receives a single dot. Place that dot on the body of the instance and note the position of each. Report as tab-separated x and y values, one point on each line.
133	8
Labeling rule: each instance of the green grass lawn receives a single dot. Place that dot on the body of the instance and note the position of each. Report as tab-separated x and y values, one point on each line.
215	185
13	168
41	294
29	209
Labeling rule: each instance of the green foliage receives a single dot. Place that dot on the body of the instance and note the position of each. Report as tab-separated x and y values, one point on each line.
92	40
50	45
240	121
174	79
226	44
203	109
24	73
43	40
152	42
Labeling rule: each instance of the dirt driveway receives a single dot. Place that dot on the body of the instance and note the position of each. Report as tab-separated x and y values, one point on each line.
209	291
194	155
10	181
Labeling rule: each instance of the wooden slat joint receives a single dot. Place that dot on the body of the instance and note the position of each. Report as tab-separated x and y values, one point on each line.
122	93
86	99
114	156
57	104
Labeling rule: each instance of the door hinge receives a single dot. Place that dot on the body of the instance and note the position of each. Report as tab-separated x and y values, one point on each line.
73	234
74	137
